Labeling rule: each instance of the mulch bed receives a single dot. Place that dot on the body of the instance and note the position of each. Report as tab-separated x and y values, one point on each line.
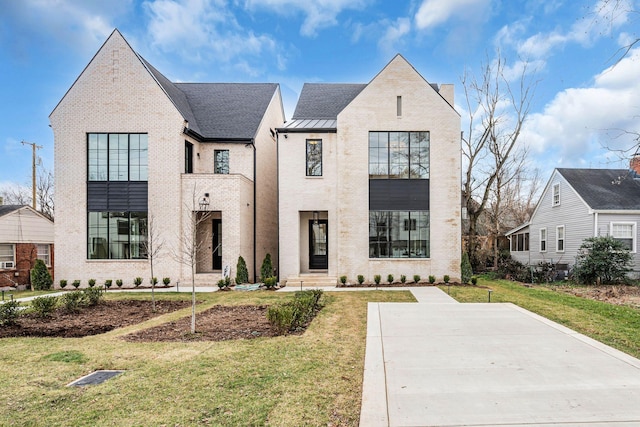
104	317
219	323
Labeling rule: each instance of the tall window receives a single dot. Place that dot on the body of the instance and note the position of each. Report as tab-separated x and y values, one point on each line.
625	232
556	195
398	155
399	234
44	254
117	156
520	242
314	157
188	157
560	238
543	240
221	161
116	235
7	256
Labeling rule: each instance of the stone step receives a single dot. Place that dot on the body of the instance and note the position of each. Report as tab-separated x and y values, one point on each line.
312	281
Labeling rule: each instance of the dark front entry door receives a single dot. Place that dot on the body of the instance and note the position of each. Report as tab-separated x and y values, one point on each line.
318	245
217	244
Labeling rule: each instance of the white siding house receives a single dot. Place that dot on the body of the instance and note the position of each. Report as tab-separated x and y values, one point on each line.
577	204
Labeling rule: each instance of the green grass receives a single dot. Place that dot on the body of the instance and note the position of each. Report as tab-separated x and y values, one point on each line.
617	326
25	294
310	379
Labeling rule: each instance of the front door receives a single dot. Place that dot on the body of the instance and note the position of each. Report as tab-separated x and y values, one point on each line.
217	244
318	245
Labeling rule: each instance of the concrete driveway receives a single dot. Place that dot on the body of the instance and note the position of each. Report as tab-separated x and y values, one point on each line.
439	363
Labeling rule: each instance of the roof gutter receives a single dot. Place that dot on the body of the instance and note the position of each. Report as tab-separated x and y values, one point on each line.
195	135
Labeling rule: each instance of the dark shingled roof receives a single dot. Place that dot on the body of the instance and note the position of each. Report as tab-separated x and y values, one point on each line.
605	189
325	100
7	209
219	111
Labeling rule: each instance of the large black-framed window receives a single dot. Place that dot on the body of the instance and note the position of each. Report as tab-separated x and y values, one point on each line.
116	235
399	234
314	157
117	156
221	161
399	155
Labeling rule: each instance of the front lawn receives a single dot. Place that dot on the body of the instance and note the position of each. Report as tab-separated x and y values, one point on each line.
310	379
614	325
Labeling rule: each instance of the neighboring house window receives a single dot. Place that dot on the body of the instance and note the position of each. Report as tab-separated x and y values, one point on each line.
543	240
44	254
399	155
560	238
625	232
116	235
314	157
7	256
117	156
403	234
188	157
221	161
556	195
520	242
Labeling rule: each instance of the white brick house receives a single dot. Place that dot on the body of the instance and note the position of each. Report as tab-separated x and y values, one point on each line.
369	180
131	146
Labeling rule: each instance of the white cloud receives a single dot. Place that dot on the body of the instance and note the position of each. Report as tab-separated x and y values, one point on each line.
579	122
319	14
432	13
394	33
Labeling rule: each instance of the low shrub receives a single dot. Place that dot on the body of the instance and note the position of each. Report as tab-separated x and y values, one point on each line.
73	301
63	283
403	278
92	283
221	284
266	270
108	283
377	278
293	315
270	282
416	278
166	281
9	312
474	280
343	280
41	279
44	306
153	281
76	284
137	281
119	283
92	296
432	279
360	279
390	278
446	278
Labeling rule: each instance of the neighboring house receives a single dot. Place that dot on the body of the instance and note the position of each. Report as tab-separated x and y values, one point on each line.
369	180
135	152
25	235
577	204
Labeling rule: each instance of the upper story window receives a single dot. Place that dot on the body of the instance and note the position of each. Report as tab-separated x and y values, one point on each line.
314	157
560	238
7	256
625	232
117	156
399	106
555	201
221	162
188	157
398	155
543	240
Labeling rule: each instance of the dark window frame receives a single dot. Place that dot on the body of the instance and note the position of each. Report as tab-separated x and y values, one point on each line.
313	142
400	161
108	220
222	168
188	157
108	154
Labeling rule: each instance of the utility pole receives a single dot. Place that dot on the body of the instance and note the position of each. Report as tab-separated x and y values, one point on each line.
34	147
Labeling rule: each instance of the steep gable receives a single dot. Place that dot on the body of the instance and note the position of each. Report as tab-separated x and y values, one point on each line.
605	189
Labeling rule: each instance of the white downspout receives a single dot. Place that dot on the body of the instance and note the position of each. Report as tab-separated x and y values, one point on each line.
595	224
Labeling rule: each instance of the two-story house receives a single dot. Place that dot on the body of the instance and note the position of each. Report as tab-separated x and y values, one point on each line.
136	152
369	180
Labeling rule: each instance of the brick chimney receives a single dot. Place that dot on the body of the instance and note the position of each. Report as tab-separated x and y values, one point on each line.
634	164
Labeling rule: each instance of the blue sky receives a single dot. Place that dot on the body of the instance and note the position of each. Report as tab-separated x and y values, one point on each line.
581	100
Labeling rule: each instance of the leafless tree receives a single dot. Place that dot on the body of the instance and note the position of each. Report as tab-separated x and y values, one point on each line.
497	110
153	246
612	10
22	194
190	243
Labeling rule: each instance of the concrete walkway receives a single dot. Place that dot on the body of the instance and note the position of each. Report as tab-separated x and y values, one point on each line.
438	363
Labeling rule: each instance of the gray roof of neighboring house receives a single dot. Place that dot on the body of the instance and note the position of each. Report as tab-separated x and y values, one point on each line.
7	209
219	111
605	189
325	100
